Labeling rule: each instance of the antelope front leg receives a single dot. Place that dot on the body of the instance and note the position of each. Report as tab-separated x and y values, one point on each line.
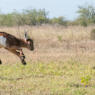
19	53
21	56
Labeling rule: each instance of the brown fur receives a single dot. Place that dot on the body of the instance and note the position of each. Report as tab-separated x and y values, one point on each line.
15	45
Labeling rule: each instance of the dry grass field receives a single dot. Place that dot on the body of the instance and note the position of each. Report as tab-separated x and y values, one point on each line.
63	62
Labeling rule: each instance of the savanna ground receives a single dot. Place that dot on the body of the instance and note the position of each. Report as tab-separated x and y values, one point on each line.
63	62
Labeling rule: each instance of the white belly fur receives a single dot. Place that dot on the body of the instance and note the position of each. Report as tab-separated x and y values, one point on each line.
2	41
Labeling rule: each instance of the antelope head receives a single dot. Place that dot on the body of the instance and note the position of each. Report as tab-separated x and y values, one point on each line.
29	42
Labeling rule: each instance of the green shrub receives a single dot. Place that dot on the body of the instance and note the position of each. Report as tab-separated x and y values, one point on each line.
92	35
59	38
86	80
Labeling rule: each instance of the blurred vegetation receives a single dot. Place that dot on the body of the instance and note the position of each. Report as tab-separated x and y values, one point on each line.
92	35
86	16
86	80
60	20
29	17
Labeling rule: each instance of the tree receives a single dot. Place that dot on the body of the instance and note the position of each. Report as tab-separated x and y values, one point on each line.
86	15
60	20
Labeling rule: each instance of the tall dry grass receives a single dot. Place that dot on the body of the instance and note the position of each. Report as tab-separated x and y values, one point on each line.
63	62
52	42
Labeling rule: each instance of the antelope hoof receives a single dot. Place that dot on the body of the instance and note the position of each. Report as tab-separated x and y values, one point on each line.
0	62
23	62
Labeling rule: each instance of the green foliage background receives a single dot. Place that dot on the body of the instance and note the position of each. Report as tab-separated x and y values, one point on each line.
29	17
86	16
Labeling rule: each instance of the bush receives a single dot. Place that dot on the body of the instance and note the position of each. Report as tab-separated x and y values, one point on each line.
93	34
59	20
86	80
86	15
26	17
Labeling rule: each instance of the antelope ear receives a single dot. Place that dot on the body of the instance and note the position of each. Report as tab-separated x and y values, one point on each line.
25	36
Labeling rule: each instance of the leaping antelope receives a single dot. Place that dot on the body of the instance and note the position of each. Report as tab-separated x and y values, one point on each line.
15	45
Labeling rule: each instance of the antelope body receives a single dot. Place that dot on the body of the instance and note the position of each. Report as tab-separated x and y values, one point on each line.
15	45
